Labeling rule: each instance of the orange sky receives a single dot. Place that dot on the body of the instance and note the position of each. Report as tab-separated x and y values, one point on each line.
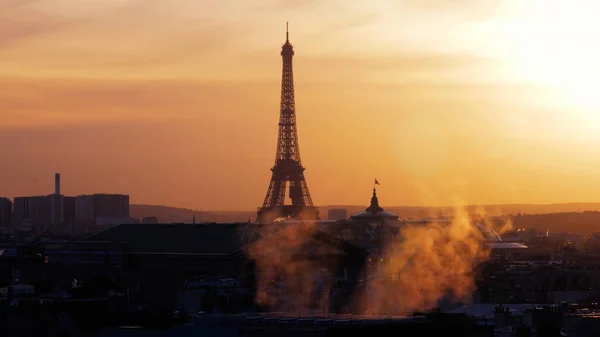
176	102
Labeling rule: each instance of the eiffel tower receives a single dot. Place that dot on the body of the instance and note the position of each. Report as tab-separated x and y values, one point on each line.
288	167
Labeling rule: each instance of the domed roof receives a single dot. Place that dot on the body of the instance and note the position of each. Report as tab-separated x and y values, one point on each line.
374	210
382	214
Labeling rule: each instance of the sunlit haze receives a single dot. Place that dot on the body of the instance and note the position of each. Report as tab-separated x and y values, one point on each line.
177	102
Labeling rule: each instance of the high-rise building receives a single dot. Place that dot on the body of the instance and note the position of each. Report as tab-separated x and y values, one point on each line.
111	205
5	212
32	211
68	210
44	211
337	214
84	208
88	208
56	200
56	204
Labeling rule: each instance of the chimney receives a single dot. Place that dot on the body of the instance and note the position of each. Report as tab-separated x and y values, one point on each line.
57	183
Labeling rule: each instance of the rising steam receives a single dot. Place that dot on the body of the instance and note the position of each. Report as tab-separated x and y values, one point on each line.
424	264
413	271
287	280
499	223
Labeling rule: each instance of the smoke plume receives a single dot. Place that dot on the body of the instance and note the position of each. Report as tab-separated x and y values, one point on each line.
499	223
288	276
424	264
413	270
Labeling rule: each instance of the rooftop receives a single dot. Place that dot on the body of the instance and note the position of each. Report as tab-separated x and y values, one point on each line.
374	210
205	238
197	239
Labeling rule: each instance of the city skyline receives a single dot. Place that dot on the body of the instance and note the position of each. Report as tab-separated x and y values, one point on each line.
382	91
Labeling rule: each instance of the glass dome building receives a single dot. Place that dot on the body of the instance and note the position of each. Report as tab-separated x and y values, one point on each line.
390	224
374	214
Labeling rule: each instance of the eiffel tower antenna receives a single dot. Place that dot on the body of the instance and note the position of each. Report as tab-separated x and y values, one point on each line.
288	170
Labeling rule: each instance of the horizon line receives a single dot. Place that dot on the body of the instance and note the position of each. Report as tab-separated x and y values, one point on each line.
404	206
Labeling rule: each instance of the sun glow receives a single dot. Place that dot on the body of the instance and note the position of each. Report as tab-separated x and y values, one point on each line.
555	45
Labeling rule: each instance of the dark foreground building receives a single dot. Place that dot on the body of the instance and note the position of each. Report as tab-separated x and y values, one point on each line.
428	325
192	266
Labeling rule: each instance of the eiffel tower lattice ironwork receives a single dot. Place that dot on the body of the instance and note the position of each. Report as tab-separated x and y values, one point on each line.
288	167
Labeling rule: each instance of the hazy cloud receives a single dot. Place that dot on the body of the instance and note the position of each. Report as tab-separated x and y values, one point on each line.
159	78
79	101
408	62
464	9
18	23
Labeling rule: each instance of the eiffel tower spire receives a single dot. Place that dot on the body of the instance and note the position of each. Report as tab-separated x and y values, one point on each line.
288	166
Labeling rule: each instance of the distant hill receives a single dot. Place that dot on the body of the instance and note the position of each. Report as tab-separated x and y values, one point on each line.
174	214
585	223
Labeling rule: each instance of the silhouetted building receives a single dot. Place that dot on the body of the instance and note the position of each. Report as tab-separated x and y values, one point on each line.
337	214
56	204
375	214
111	205
372	228
88	208
84	208
68	209
5	212
56	200
431	324
39	212
185	265
32	211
